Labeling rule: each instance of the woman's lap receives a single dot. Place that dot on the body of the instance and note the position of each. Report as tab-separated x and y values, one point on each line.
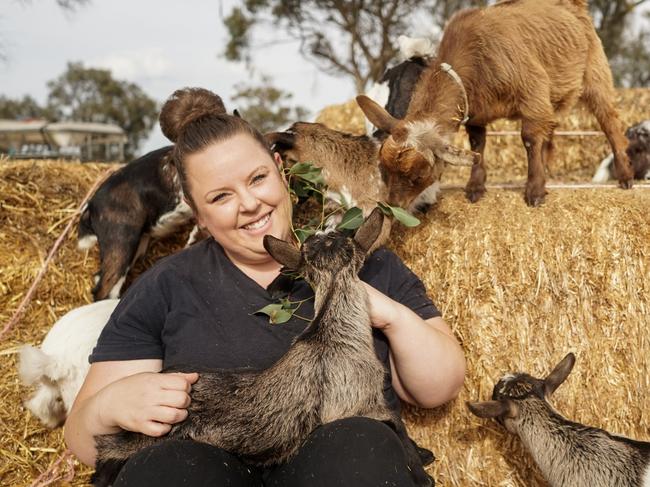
350	452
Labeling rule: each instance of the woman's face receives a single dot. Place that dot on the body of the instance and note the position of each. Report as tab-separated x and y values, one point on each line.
240	196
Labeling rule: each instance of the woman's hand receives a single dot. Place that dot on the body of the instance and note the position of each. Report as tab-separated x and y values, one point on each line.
148	402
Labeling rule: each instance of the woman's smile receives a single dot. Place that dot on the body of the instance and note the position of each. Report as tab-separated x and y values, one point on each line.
260	225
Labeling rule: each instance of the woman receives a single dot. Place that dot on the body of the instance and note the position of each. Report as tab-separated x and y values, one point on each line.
197	308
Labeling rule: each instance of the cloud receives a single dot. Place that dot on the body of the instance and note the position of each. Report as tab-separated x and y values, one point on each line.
138	64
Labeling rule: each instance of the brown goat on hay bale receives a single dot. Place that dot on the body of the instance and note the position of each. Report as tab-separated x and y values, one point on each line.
522	59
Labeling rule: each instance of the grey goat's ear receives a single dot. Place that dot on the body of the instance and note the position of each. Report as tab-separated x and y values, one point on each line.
493	409
559	374
370	229
283	252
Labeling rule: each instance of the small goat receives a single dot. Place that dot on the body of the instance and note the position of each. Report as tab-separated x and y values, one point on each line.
567	453
140	201
522	59
58	367
393	91
638	151
329	372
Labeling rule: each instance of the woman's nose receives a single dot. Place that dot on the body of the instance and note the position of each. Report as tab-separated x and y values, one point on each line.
248	201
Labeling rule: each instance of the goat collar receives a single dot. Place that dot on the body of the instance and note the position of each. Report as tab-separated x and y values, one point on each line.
454	75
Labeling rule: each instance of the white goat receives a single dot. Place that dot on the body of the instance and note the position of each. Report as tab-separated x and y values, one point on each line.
568	454
58	368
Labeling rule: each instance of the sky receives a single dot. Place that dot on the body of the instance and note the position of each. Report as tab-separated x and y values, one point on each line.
161	45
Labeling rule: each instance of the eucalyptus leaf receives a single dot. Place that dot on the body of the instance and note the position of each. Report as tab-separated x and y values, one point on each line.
404	217
352	219
269	309
280	316
303	233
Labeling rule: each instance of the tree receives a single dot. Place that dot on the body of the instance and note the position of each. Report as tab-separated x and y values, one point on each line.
627	46
365	30
92	95
265	107
21	109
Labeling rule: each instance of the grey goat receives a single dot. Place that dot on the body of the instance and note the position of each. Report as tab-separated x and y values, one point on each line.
329	372
567	453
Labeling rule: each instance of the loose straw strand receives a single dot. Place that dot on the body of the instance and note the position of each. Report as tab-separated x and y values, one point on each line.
28	297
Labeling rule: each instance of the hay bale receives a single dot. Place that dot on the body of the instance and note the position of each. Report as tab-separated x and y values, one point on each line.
37	199
519	286
576	157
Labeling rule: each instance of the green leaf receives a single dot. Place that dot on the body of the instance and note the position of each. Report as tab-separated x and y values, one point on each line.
303	233
400	214
269	309
301	168
280	316
352	219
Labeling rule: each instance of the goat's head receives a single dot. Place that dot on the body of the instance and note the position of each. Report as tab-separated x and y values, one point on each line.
515	393
412	158
638	149
328	255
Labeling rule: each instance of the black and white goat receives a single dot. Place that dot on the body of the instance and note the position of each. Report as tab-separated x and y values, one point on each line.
638	151
567	453
57	368
141	201
393	91
330	371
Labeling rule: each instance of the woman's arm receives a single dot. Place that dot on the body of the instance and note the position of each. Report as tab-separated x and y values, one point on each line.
427	362
129	395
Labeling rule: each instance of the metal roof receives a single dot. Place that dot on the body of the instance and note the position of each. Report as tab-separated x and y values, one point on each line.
40	125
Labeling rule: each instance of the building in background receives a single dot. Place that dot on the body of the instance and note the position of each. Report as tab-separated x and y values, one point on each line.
34	139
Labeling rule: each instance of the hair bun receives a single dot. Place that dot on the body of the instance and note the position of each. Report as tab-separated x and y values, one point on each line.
185	106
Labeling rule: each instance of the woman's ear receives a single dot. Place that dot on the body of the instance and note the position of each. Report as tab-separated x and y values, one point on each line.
278	159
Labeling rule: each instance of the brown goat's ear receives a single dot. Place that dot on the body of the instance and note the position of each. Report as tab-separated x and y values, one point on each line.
456	156
377	115
370	229
283	252
280	141
236	113
559	374
493	409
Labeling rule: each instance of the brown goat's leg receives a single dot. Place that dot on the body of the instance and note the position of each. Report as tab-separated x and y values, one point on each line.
548	153
599	96
475	188
534	135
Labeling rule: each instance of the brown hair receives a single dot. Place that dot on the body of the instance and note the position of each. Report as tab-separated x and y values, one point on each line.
194	118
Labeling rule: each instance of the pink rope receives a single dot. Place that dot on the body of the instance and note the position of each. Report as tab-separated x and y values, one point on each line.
28	297
51	475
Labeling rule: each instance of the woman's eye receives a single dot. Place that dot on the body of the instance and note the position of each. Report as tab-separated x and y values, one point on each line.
219	197
258	178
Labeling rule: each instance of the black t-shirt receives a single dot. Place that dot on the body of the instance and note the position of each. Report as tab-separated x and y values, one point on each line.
197	309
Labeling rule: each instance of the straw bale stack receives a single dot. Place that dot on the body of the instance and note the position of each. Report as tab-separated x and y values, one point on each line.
576	157
37	199
519	286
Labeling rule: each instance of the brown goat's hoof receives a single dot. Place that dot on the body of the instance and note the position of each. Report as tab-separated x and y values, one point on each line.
627	184
534	200
474	194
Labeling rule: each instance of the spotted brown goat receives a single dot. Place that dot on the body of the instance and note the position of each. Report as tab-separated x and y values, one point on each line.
530	60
